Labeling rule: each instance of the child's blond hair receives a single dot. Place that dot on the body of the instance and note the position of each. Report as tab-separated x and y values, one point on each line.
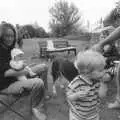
89	61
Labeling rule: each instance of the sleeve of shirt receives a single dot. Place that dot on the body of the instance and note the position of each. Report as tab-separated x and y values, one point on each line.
3	66
4	60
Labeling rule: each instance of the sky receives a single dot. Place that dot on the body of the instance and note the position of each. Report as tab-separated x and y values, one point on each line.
37	11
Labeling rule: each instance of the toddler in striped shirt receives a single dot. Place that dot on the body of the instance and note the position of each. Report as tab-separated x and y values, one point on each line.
84	91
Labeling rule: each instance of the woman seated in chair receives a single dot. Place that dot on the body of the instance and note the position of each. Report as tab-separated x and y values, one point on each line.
8	77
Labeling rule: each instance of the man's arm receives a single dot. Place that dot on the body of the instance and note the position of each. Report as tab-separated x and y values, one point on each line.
115	35
11	72
36	69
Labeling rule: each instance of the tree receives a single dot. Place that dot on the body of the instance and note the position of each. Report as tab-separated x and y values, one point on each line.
30	29
113	18
22	33
40	32
64	18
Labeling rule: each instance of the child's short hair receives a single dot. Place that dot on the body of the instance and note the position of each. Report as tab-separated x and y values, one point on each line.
90	61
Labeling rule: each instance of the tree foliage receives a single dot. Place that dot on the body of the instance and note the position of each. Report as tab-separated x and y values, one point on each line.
40	32
64	18
29	31
113	18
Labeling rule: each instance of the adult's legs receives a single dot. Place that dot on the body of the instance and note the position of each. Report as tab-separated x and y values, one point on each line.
41	70
116	103
35	87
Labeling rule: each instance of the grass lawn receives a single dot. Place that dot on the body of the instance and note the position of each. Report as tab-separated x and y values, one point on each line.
56	108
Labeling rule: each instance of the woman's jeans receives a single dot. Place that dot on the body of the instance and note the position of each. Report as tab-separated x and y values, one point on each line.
35	86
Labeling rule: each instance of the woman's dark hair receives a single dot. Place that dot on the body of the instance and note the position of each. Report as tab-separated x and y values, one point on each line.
3	28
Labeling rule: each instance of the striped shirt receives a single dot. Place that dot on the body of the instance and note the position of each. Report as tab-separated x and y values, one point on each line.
85	107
